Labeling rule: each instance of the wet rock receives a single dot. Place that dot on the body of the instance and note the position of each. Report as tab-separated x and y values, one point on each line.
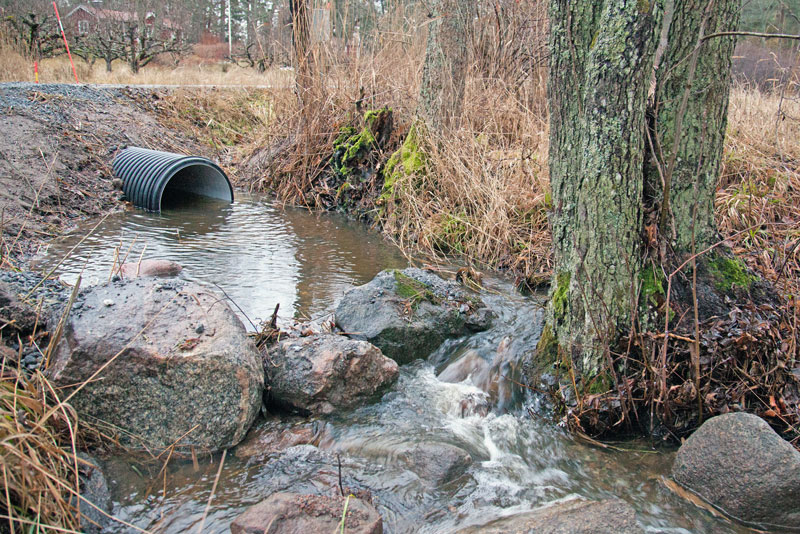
94	489
434	462
469	366
497	378
409	313
14	315
323	373
739	464
273	437
51	294
291	513
159	381
163	268
573	517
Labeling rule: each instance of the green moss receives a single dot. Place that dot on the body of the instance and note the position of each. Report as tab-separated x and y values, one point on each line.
652	286
547	350
407	160
371	115
352	145
728	272
413	290
345	133
643	5
559	300
601	383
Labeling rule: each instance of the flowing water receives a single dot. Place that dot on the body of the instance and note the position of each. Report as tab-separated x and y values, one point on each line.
261	256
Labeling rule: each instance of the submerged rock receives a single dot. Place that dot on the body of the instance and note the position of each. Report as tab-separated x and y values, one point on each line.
434	462
164	268
272	437
292	513
572	517
158	380
94	489
322	373
739	464
409	313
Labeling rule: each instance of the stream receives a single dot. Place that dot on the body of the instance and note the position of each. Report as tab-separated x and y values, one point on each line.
262	255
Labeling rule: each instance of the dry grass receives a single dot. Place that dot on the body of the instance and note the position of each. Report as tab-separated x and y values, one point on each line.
16	68
37	456
760	185
484	193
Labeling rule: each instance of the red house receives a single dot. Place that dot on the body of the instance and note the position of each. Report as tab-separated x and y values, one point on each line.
87	18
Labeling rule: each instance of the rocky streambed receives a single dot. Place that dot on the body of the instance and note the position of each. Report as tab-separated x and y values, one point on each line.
412	421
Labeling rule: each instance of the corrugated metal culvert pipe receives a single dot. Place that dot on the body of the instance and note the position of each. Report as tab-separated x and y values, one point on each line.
147	174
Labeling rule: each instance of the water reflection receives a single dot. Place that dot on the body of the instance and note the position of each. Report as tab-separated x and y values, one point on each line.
260	255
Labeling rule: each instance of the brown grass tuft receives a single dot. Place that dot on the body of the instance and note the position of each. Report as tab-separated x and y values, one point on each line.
37	455
760	185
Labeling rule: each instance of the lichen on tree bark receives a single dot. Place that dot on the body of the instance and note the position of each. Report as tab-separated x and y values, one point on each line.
602	55
691	105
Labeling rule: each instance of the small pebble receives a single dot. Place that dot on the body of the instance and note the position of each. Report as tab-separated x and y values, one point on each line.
200	329
108	302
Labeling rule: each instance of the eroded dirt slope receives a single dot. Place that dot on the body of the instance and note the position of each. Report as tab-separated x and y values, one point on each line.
57	143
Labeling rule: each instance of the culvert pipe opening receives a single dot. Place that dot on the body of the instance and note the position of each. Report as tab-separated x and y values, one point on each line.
151	178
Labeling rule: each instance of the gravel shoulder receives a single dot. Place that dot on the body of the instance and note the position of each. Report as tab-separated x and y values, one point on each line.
57	145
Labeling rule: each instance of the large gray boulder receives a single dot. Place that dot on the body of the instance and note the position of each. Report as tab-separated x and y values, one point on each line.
291	513
573	517
169	362
323	373
409	313
739	464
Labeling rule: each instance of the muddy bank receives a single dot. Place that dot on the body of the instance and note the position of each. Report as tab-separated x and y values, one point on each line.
56	151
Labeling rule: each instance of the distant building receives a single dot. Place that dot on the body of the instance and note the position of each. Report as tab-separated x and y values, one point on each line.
86	19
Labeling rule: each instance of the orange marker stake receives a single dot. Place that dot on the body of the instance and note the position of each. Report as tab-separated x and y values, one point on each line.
36	71
66	44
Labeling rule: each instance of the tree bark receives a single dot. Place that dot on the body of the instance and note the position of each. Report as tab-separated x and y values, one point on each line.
691	106
623	170
444	71
301	38
601	63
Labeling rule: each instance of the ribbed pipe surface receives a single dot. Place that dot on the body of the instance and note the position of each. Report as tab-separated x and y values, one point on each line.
146	174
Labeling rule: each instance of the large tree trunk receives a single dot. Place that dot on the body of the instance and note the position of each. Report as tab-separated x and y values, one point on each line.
691	318
602	57
444	71
691	105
